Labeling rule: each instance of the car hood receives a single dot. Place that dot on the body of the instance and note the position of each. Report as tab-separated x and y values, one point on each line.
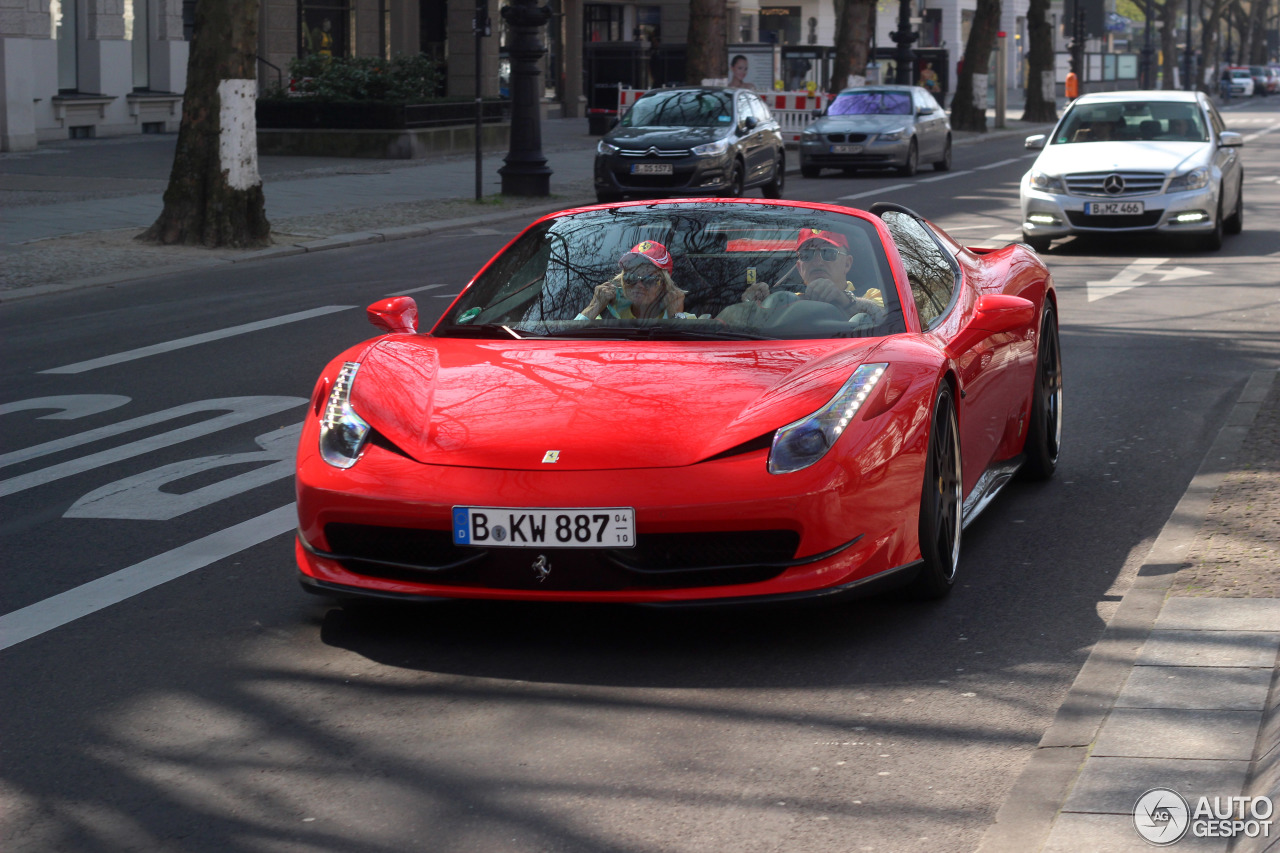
664	137
1117	156
860	124
601	404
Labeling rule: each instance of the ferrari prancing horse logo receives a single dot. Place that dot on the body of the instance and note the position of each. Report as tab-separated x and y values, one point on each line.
551	457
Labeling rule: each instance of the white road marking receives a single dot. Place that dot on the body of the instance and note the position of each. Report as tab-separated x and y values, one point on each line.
420	289
181	343
1007	238
68	407
873	192
141	497
944	176
66	607
998	164
1127	278
241	410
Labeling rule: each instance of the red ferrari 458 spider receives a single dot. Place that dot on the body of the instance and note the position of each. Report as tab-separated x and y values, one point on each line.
685	401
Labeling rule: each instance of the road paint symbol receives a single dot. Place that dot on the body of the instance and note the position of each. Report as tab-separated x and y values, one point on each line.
1128	277
1161	816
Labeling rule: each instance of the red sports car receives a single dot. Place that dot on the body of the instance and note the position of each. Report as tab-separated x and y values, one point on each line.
685	401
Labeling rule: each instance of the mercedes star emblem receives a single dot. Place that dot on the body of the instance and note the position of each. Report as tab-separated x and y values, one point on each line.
1113	184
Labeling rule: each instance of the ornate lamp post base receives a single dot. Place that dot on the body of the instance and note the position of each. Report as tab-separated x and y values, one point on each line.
526	171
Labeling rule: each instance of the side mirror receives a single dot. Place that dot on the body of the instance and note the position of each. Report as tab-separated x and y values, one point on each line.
1035	143
1230	139
398	315
750	122
994	313
924	111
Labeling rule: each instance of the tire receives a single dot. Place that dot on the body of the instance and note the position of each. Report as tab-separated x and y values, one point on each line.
912	165
1213	240
1044	433
807	171
774	188
940	503
1235	223
736	181
944	165
1040	244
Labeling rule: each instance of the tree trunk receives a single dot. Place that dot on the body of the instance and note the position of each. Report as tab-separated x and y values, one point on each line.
853	42
968	107
708	41
1257	33
1209	43
214	196
1039	61
1168	44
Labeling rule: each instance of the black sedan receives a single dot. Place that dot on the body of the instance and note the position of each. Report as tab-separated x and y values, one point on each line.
700	141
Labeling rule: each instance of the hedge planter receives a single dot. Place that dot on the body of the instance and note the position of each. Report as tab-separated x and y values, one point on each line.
308	113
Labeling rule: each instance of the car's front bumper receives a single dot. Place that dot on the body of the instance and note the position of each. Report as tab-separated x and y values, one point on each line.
692	175
1051	215
875	153
843	522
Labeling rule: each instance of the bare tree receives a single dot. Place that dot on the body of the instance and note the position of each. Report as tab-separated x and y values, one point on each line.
1168	44
968	107
1039	62
708	41
214	196
853	41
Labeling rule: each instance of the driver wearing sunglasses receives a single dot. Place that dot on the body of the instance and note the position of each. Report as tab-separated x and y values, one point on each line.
823	259
642	290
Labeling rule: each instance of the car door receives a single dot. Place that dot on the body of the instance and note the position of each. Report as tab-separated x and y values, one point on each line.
771	135
747	130
1226	159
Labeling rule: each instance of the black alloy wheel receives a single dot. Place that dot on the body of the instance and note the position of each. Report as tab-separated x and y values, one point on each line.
736	180
940	503
1044	432
1235	223
774	188
944	165
912	165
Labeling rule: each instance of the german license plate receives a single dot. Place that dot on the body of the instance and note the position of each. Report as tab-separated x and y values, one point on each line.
652	169
846	149
1113	208
510	527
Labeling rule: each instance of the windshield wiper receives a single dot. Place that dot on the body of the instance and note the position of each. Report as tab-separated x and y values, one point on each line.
486	330
676	332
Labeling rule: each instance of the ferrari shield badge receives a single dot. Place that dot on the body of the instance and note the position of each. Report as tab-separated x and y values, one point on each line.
551	457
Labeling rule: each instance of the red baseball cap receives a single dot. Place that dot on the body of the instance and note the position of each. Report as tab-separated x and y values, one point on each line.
835	238
652	251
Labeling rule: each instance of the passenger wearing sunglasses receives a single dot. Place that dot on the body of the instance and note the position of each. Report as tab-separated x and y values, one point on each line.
823	260
642	290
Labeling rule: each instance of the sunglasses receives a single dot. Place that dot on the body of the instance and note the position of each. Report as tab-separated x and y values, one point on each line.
650	280
828	253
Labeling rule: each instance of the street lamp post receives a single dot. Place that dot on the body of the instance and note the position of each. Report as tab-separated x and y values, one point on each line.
526	171
904	38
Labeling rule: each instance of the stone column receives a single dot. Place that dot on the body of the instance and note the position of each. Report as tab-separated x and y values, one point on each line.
24	36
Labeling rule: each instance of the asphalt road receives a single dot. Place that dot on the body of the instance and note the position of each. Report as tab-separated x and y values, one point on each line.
224	710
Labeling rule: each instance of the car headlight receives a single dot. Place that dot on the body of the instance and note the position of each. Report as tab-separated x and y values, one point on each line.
343	433
894	135
1047	183
800	444
603	147
718	147
809	133
1196	179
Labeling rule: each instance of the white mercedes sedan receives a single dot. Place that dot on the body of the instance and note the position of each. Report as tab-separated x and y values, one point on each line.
1124	162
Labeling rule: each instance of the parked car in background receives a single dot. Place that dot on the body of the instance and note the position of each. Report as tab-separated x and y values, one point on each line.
877	127
696	141
1122	162
1265	81
1241	81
